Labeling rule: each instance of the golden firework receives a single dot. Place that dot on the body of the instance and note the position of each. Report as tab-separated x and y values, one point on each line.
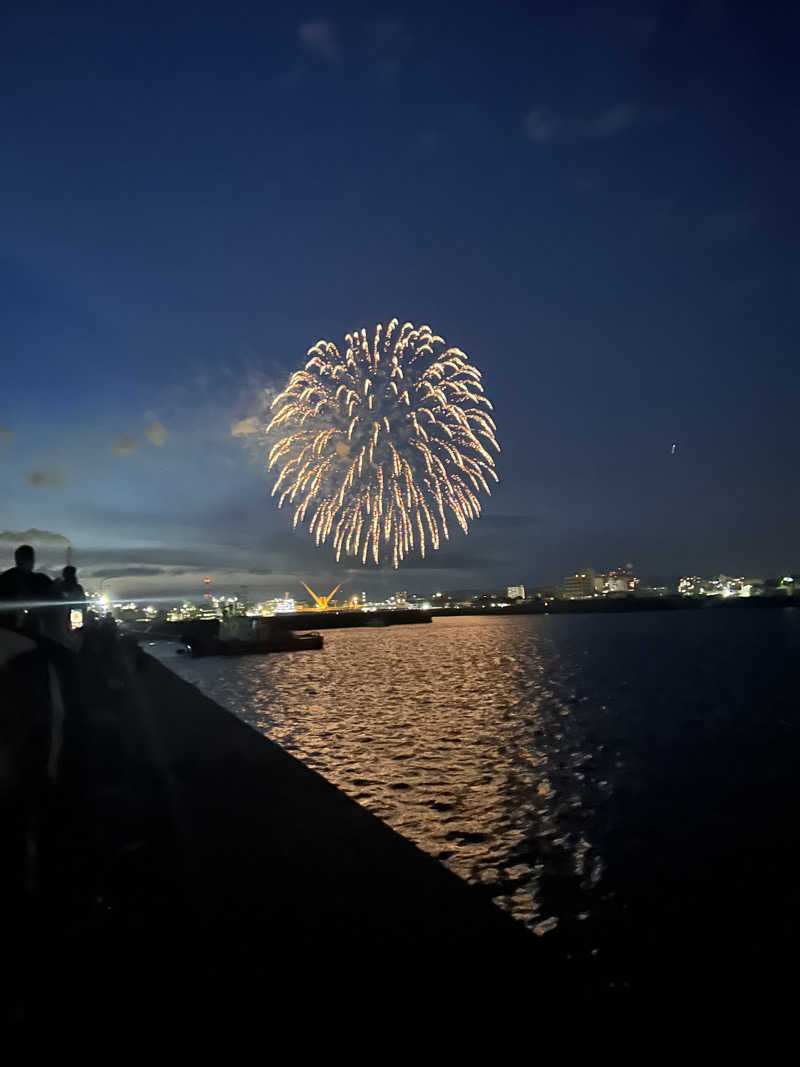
381	445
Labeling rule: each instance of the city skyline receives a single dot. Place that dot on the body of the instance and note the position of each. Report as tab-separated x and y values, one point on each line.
544	598
138	582
600	212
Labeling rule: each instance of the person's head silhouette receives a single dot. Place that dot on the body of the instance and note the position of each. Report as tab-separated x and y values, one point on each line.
68	574
24	558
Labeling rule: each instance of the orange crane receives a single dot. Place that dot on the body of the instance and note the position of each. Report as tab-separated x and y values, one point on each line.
323	602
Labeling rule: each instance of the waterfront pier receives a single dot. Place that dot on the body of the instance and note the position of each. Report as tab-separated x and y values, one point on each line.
185	856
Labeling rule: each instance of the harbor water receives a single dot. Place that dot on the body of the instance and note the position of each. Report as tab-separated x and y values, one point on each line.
622	784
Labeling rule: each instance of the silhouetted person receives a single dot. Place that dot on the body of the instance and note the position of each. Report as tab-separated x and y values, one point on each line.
22	584
69	589
45	626
30	710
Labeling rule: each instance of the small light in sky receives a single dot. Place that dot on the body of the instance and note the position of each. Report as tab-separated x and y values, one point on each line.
674	449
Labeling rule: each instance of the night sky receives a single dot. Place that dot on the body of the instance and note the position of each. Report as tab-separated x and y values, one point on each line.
596	202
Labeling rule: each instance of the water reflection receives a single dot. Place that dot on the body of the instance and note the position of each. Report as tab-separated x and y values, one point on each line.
464	736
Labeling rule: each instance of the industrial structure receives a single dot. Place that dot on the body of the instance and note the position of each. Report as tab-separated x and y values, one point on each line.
323	603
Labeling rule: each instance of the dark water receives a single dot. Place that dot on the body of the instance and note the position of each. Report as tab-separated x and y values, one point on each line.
625	785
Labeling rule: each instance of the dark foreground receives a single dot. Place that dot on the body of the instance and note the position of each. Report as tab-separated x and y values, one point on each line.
192	872
189	865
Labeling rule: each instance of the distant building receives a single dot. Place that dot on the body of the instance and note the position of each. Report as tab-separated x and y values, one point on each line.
516	592
621	581
182	612
580	585
486	600
692	585
786	586
284	605
547	592
401	598
725	586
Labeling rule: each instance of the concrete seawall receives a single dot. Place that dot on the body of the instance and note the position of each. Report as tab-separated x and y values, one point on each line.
270	843
193	866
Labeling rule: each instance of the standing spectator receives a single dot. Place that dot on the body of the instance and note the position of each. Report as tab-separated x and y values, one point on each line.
69	589
22	584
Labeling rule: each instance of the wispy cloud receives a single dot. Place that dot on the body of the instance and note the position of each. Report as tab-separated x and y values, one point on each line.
384	44
125	445
244	427
505	522
389	44
540	126
135	571
46	479
156	434
6	433
42	538
612	121
318	37
543	126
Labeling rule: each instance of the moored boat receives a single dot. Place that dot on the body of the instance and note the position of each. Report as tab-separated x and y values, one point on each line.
211	645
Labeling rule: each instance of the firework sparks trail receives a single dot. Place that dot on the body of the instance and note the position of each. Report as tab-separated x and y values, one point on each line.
381	446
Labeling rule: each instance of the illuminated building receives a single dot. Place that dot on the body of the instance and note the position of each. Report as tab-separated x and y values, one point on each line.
580	585
621	581
284	605
516	592
724	586
692	586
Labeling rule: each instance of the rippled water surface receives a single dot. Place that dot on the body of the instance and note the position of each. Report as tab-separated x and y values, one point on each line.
524	752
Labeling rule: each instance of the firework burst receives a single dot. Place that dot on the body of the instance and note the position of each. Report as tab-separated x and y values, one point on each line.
381	446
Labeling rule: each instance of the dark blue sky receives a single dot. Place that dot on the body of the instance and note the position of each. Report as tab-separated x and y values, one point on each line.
597	202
